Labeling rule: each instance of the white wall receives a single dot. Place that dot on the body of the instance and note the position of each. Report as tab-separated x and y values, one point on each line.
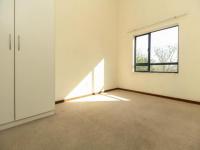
86	36
86	44
137	13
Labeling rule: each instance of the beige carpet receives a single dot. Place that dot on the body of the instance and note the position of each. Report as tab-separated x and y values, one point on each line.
116	121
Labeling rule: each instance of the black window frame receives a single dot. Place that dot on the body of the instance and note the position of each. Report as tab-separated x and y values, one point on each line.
149	64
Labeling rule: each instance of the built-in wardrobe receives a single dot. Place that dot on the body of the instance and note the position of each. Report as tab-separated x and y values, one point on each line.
26	59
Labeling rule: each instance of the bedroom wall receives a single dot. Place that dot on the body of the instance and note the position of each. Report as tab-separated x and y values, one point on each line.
89	33
86	47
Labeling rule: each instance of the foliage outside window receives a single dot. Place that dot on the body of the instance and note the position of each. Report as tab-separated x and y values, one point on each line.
157	51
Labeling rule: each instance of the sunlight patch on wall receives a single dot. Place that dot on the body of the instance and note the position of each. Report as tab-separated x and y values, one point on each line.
92	83
83	88
99	77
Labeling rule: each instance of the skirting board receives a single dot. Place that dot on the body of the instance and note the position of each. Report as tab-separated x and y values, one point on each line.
23	121
59	101
162	96
110	90
145	93
63	100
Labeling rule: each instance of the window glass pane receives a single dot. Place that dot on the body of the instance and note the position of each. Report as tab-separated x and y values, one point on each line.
164	68
142	49
164	46
142	68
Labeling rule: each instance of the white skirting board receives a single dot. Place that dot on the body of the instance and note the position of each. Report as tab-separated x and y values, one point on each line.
26	120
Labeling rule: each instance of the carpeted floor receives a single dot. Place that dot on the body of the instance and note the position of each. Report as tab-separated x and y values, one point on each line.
117	120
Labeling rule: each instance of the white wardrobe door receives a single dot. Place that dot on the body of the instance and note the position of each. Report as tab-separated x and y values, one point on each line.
6	61
34	72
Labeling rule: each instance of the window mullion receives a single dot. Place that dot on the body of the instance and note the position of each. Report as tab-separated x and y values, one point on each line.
149	53
135	53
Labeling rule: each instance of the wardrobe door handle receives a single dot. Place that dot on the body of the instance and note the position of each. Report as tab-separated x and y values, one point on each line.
10	42
19	44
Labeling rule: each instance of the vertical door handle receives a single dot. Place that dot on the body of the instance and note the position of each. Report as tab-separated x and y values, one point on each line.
10	42
19	44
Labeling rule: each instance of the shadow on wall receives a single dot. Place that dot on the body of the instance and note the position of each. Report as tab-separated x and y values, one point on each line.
93	82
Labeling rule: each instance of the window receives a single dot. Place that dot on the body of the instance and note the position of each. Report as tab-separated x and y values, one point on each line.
157	51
